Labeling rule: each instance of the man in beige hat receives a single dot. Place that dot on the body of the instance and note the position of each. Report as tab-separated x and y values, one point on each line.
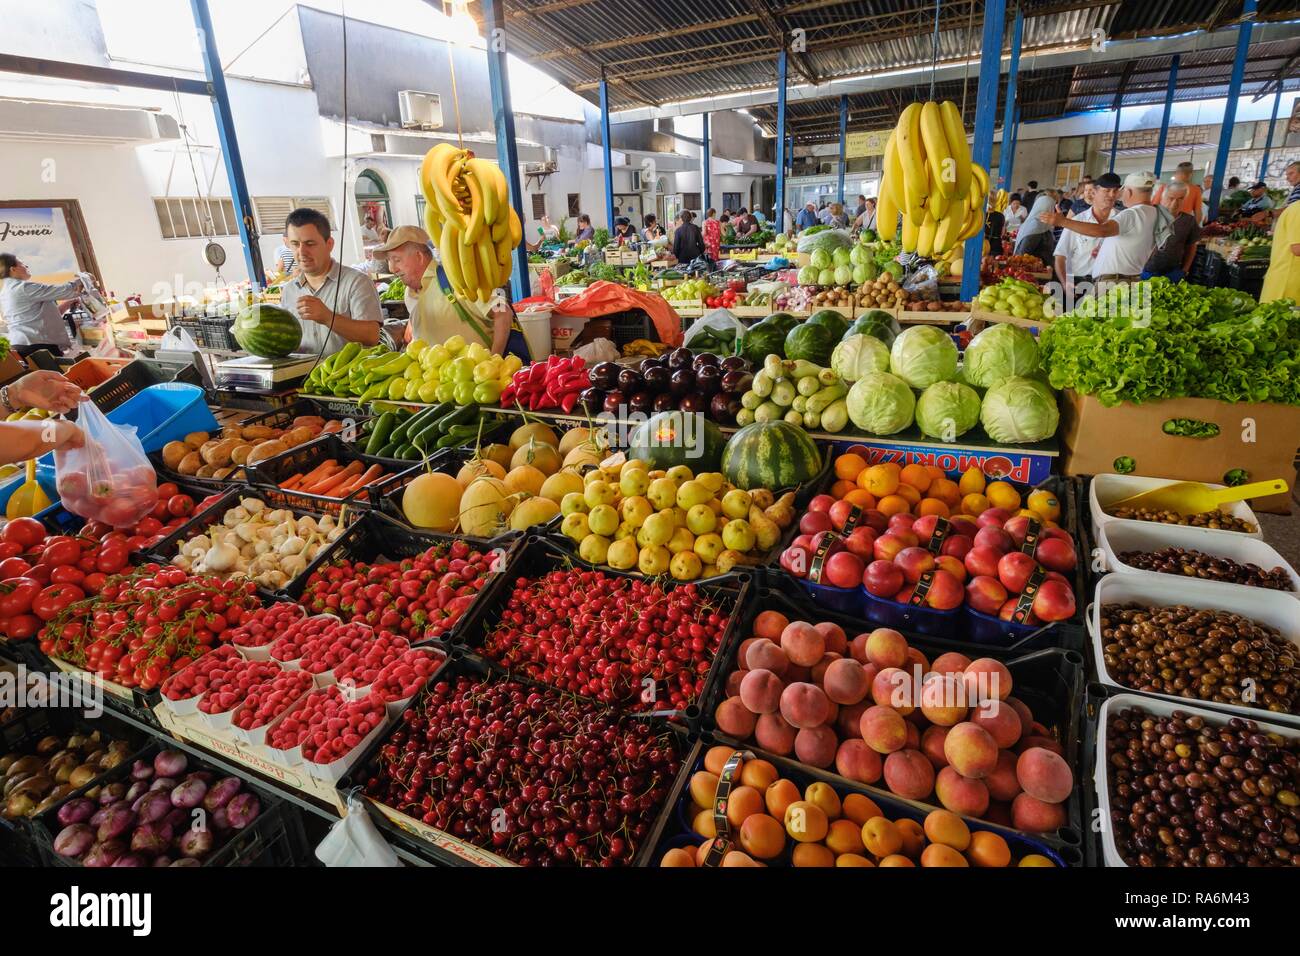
1128	237
410	255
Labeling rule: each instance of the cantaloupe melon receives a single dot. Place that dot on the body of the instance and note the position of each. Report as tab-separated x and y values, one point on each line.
541	456
574	437
532	511
432	501
538	431
477	467
485	506
498	453
561	483
524	478
581	456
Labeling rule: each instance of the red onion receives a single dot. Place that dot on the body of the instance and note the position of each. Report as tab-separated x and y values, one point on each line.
136	789
74	840
219	819
219	793
111	793
141	770
119	820
151	838
189	794
163	783
196	843
104	854
154	806
162	861
243	810
130	859
77	810
170	763
186	861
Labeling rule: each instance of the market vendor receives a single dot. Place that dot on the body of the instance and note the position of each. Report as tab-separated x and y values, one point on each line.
1035	238
584	229
1292	174
1259	202
30	309
1282	281
1173	257
807	217
624	231
334	303
50	392
652	230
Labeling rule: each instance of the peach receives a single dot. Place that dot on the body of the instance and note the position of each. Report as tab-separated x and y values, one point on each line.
886	648
914	562
986	594
908	773
845	682
950	663
986	678
931	745
733	682
883	729
1022	709
961	794
1035	816
943	699
913	733
832	711
816	746
802	644
956	546
946	592
734	719
981	561
1033	740
1002	782
858	648
819	669
970	750
764	655
857	761
1044	775
849	723
892	687
999	812
834	636
773	733
946	562
804	705
914	660
1000	719
770	624
760	691
745	645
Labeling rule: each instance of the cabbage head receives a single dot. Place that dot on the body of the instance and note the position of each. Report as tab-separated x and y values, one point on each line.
947	410
1019	410
998	353
858	356
923	355
881	403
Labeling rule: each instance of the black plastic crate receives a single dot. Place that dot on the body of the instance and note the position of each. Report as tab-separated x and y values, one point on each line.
283	417
217	331
267	475
457	665
133	378
1050	681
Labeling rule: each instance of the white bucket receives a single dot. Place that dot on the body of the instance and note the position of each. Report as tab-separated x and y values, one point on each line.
564	329
536	326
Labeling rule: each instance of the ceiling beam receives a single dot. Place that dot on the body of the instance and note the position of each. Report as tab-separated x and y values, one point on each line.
778	33
517	11
640	38
1217	15
1278	78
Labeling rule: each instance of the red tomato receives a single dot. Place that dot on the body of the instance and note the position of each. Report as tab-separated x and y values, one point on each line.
22	627
9	549
113	557
17	594
67	574
94	583
61	550
148	526
55	599
13	568
136	542
167	489
27	532
160	510
180	505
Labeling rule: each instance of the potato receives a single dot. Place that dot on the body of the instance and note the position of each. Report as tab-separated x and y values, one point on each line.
265	450
309	421
239	454
205	471
296	436
196	439
217	454
256	433
173	452
190	464
223	472
331	427
231	431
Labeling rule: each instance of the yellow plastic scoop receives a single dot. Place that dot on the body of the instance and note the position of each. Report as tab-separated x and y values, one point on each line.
1193	497
29	497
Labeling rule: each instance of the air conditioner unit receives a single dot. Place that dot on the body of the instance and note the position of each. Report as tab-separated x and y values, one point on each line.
419	110
537	169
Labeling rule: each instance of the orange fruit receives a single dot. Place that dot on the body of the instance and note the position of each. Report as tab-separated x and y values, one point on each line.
806	822
893	505
861	497
762	836
935	472
825	797
812	854
677	857
1044	504
1003	494
916	476
931	506
880	479
759	774
937	854
944	826
859	808
844	836
842	488
852	859
972	481
779	796
881	837
913	837
988	849
895	860
946	491
744	802
909	494
1036	859
849	465
974	504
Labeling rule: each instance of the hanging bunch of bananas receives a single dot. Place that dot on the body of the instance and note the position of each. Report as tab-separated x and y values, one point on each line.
467	214
930	179
1000	200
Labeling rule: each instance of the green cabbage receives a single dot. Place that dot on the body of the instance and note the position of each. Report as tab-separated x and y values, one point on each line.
843	275
881	403
998	353
808	275
821	259
923	355
859	355
840	257
1019	410
947	410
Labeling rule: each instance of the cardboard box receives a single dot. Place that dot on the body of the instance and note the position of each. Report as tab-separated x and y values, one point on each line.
1262	438
11	368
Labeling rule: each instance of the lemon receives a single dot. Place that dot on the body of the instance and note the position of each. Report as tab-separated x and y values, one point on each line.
1002	494
972	481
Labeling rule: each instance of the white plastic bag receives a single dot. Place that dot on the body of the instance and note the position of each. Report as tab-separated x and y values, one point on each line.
719	320
109	478
177	339
598	350
355	841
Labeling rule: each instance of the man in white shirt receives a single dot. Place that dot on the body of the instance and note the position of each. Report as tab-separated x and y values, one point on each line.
1128	237
334	304
1076	254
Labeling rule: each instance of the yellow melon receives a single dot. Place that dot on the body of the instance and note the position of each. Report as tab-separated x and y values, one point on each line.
485	506
575	437
478	467
582	456
541	456
561	483
531	512
533	431
432	501
526	479
498	453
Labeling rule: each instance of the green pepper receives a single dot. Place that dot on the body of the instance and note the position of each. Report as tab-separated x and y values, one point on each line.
463	393
446	392
487	393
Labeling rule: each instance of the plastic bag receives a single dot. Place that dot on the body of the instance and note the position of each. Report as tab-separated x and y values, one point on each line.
355	841
599	350
177	339
109	478
716	332
923	284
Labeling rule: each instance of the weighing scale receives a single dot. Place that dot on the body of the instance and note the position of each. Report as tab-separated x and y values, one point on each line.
265	374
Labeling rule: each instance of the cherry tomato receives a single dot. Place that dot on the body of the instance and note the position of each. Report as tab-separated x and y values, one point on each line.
55	599
27	532
167	489
180	505
94	583
160	510
13	568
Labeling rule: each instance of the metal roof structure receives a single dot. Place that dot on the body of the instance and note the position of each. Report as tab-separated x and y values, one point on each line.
657	52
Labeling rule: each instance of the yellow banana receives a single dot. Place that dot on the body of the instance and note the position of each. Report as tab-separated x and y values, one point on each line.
925	237
469	270
886	213
955	135
943	170
980	180
477	211
503	275
432	224
936	203
426	176
488	267
945	236
500	229
503	250
481	170
910	231
973	225
912	157
893	173
449	252
516	229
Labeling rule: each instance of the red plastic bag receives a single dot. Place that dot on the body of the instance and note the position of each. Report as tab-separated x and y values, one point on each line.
109	478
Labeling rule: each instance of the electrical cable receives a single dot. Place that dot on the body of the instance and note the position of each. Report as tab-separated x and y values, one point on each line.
934	50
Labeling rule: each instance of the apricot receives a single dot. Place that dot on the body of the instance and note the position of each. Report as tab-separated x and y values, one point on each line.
849	722
825	797
1023	712
852	859
913	836
895	860
881	837
779	796
943	699
760	691
743	802
745	645
802	643
775	734
950	663
844	836
737	858
763	654
804	705
715	759
818	672
845	681
883	729
1000	719
855	760
806	822
704	824
944	826
702	852
960	794
703	786
936	854
812	854
932	745
816	746
1036	859
908	773
1035	816
986	678
733	682
886	647
1044	775
988	849
735	719
970	750
762	836
759	774
836	640
770	624
677	857
1002	782
892	687
859	808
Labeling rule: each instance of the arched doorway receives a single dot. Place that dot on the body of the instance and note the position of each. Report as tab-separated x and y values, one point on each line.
373	203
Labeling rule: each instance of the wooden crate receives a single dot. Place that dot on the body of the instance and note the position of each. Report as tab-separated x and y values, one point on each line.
475	856
906	317
979	318
620	257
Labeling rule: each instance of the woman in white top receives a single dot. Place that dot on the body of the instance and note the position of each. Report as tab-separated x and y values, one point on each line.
30	308
1014	214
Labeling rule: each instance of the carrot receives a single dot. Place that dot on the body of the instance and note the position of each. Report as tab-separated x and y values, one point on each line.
336	480
319	471
323	473
373	473
292	482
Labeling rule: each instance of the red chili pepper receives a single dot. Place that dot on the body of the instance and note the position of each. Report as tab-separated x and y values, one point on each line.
569	400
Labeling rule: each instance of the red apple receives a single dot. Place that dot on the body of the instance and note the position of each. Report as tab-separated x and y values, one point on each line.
1054	601
993	517
887	546
945	592
860	541
875	519
883	578
796	560
1057	533
839	514
814	521
901	522
985	594
995	538
1055	554
821	503
956	545
952	565
843	570
982	560
1014	570
914	563
1009	608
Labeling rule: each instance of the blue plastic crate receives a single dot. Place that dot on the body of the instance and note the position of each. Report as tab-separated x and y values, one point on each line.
166	412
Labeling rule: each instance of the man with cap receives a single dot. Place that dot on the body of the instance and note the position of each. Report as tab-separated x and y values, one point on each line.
1259	202
1076	254
1172	258
1191	199
1128	237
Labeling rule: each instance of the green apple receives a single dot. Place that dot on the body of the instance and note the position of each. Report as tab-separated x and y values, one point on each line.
573	503
575	526
659	527
636	510
692	493
735	503
603	520
682	540
622	554
662	493
685	566
633	482
594	549
708	547
738	535
701	519
654	560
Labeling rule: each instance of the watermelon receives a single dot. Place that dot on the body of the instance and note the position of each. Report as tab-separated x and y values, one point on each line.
774	455
782	320
267	331
677	438
832	320
876	323
811	342
763	339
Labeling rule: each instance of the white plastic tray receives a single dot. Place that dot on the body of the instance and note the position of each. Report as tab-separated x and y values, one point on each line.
1105	490
1116	537
1274	608
1160	708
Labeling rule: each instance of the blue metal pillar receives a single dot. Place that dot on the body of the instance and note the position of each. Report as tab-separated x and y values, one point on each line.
1015	141
503	120
780	141
706	160
1169	109
844	135
1268	140
986	108
1009	109
1114	139
605	144
229	143
1230	106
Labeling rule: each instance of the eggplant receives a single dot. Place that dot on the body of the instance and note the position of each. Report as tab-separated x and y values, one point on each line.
680	358
682	382
604	375
723	408
641	402
614	400
665	402
630	380
736	382
651	361
592	399
694	402
734	363
708	380
657	378
703	359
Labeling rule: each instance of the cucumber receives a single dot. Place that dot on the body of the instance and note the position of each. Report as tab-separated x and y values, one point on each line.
425	415
431	431
384	426
406	453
